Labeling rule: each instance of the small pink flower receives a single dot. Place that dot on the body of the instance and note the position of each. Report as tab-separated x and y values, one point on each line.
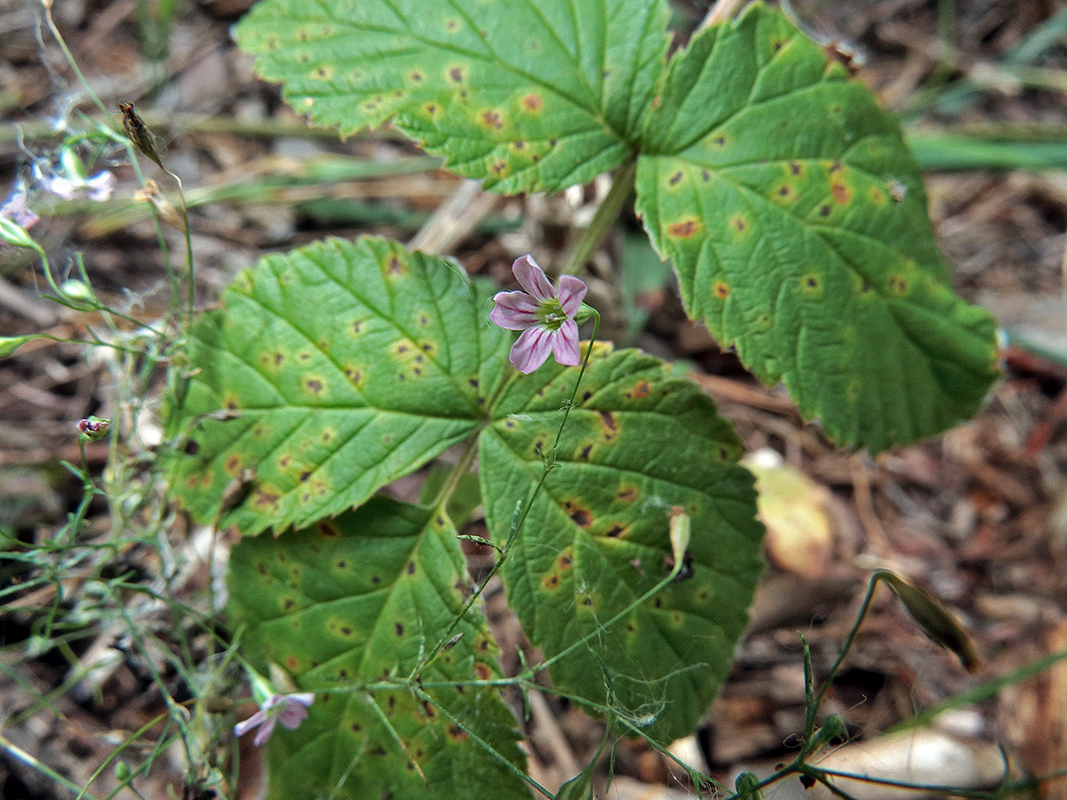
15	210
289	709
97	188
543	314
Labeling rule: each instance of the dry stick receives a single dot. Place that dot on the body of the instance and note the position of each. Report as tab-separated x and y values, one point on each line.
861	484
719	13
454	220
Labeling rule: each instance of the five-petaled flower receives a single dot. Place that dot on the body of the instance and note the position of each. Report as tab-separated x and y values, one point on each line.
288	709
543	314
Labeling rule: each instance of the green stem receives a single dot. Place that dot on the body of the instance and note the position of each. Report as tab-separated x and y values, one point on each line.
521	511
457	474
19	754
603	219
864	608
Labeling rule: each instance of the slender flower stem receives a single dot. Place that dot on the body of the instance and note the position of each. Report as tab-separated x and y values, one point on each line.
521	511
605	216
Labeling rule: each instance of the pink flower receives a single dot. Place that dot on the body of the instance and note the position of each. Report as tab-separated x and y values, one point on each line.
543	314
289	709
97	188
15	210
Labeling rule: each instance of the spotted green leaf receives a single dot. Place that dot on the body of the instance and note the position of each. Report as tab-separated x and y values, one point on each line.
358	600
638	443
527	94
797	221
325	374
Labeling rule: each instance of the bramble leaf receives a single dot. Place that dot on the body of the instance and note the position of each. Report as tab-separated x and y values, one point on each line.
638	443
797	221
327	373
529	95
358	600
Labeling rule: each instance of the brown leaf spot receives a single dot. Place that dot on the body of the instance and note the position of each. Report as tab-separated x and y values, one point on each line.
411	568
610	424
565	561
493	119
824	210
293	663
396	266
582	517
288	603
329	530
399	627
265	500
233	464
796	167
586	451
499	168
482	671
641	390
676	178
721	290
841	193
415	76
456	74
683	229
455	732
898	284
550	581
313	385
615	531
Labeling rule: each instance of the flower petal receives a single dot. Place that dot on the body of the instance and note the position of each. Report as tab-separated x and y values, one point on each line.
532	349
292	715
265	730
565	344
571	294
532	278
15	210
100	186
241	728
63	187
514	311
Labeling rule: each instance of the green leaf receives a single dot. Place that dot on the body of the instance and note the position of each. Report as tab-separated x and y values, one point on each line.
797	221
529	94
327	373
359	600
9	344
638	443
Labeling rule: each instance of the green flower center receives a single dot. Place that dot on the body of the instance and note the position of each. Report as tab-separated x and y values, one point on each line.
551	314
